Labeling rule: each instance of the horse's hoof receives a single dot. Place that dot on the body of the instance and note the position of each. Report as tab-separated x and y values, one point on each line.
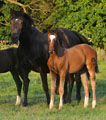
50	106
67	99
48	101
25	104
78	98
18	101
17	104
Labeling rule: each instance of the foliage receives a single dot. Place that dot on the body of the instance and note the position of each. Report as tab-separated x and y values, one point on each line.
85	16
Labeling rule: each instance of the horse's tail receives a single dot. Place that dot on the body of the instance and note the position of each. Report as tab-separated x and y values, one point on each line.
96	68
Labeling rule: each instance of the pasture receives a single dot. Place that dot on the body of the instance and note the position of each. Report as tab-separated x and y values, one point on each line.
37	108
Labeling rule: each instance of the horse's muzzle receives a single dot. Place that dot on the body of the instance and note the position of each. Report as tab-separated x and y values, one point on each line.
15	38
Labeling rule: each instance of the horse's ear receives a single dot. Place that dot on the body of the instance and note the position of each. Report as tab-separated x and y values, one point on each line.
56	30
11	11
48	32
22	11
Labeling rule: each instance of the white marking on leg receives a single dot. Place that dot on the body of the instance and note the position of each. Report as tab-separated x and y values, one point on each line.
86	102
18	101
51	104
52	37
93	103
61	102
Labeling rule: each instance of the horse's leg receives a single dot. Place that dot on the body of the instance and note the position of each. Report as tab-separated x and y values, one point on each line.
61	89
65	89
71	83
93	84
45	85
53	82
18	85
24	76
86	88
57	84
78	85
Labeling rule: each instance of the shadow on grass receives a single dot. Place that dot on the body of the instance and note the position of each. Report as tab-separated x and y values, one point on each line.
37	96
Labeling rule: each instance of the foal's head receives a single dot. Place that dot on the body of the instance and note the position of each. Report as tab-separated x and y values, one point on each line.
52	36
19	19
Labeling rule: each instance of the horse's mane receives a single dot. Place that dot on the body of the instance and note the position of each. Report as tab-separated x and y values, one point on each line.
28	19
81	37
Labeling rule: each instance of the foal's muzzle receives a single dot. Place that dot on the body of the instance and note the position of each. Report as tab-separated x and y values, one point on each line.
50	51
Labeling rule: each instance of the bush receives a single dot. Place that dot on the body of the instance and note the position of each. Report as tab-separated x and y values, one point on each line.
85	16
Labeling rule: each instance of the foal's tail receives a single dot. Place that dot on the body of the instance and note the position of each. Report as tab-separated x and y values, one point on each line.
96	68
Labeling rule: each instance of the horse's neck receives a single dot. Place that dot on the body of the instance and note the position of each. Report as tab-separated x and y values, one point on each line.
27	34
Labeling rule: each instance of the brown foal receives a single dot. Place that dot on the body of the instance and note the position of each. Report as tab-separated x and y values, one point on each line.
71	60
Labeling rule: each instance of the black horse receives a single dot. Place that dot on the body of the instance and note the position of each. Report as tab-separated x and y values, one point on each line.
33	47
9	63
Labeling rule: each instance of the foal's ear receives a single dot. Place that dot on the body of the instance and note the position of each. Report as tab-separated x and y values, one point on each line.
11	11
22	11
48	30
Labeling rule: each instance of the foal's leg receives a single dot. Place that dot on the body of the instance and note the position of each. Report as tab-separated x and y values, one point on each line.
93	84
18	85
53	82
61	89
65	87
45	85
24	76
85	82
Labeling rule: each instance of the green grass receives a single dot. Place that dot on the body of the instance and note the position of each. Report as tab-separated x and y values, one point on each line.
37	108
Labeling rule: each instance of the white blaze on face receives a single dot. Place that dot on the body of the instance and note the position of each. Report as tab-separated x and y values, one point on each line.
52	37
16	19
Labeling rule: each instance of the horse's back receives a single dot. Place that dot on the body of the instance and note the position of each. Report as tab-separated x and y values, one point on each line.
8	59
69	38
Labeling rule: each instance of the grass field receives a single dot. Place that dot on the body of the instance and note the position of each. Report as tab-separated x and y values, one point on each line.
38	109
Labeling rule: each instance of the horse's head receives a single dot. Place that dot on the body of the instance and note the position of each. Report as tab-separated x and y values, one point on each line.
52	36
16	24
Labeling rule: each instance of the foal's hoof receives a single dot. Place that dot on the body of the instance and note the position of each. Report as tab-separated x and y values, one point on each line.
85	105
25	104
94	104
60	107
